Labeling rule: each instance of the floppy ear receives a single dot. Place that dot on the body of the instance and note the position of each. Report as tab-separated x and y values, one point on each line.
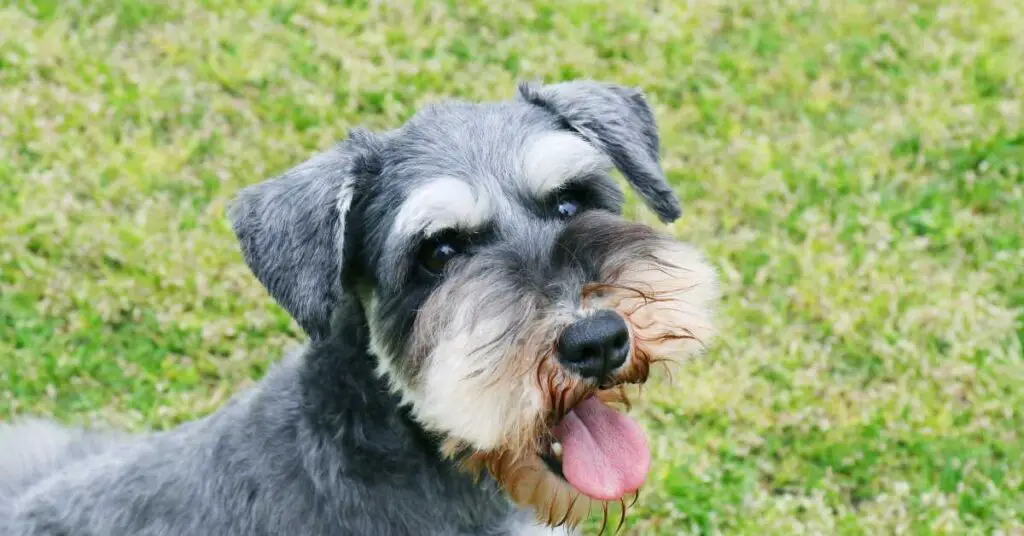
618	121
292	229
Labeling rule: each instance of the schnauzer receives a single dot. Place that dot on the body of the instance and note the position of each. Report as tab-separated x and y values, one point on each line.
476	308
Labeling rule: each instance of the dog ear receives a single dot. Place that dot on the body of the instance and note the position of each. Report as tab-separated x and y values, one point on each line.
292	228
618	121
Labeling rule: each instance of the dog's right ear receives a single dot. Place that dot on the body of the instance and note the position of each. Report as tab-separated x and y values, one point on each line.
292	228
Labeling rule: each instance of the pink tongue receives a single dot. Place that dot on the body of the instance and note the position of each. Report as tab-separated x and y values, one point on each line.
604	453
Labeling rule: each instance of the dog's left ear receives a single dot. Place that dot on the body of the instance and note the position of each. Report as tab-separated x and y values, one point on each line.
292	228
618	121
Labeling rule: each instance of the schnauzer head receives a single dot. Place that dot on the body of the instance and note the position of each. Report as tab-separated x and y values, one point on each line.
508	302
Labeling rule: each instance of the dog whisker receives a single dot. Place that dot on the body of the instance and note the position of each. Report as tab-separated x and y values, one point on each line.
622	516
604	518
568	511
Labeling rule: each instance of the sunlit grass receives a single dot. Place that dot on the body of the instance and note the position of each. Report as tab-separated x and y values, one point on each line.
852	168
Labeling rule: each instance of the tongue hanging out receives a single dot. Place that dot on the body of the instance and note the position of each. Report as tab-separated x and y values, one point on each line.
604	453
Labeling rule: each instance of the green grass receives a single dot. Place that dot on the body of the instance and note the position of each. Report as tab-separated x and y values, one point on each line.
853	168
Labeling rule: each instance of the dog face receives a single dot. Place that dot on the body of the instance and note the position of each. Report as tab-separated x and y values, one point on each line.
508	302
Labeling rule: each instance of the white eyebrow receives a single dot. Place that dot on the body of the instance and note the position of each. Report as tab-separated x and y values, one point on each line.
554	158
440	204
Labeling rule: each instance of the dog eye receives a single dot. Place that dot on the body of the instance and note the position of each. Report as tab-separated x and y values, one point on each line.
435	254
436	257
567	205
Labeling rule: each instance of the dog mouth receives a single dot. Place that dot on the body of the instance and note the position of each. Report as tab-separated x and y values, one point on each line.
599	451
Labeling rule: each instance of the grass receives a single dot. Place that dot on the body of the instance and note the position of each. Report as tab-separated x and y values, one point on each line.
853	168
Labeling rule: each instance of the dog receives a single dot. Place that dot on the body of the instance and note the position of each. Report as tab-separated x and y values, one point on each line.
478	313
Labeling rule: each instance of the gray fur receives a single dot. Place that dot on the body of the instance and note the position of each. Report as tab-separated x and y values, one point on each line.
620	121
322	446
290	230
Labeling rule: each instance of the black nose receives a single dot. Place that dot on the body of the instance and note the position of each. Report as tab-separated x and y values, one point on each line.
596	345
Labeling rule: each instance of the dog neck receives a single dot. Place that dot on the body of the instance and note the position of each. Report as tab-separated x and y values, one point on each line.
346	401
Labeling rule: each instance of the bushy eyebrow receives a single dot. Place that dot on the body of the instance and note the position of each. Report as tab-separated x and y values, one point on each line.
553	159
441	203
437	205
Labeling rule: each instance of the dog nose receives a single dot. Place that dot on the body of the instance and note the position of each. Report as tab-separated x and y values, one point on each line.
596	345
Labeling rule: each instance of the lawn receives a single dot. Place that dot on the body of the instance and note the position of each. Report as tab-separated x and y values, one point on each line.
854	169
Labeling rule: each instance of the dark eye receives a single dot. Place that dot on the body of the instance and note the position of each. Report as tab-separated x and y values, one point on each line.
567	205
435	254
